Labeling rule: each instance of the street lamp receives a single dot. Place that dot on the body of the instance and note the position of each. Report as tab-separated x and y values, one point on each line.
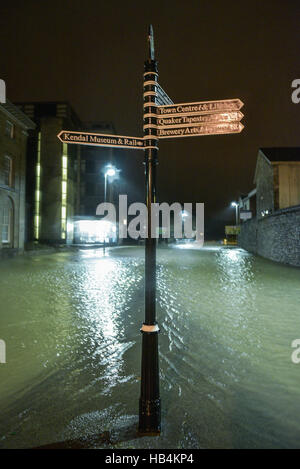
110	171
184	215
234	204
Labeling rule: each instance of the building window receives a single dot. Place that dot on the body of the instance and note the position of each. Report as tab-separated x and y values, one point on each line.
5	225
38	195
6	176
64	191
9	129
7	222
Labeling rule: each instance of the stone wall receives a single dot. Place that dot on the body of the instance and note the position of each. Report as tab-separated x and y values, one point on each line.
247	238
264	180
276	237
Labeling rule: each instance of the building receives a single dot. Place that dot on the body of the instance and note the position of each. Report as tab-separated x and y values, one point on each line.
52	194
96	186
14	127
275	231
277	179
65	182
94	161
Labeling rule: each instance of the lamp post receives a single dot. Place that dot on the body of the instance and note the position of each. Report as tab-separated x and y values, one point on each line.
184	215
234	204
110	171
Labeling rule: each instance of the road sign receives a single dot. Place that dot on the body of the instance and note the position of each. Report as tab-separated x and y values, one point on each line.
185	121
101	140
206	129
245	214
201	107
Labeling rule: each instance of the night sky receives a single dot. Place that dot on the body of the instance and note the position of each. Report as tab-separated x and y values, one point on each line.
91	53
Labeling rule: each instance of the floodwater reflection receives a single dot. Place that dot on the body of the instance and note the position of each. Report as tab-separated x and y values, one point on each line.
71	324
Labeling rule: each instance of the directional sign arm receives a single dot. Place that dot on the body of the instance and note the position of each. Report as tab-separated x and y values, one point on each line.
101	140
195	131
197	119
202	107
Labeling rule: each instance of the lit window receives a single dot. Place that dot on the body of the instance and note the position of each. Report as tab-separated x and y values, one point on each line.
65	162
37	221
64	190
9	129
64	187
38	195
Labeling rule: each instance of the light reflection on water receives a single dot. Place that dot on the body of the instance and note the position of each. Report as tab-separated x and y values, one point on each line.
71	322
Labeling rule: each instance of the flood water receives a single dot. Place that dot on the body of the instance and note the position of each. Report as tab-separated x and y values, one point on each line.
71	324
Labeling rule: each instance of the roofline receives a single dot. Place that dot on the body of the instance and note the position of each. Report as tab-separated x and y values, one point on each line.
24	103
27	123
285	162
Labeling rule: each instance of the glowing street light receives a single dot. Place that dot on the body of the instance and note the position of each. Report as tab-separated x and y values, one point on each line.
109	172
184	214
234	204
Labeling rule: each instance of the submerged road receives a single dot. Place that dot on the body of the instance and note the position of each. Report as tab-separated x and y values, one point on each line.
71	324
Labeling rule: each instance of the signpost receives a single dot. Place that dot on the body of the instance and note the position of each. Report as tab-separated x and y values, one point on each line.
162	119
212	117
206	129
101	140
149	405
184	121
201	107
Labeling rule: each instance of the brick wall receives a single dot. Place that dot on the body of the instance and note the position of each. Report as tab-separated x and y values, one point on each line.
276	237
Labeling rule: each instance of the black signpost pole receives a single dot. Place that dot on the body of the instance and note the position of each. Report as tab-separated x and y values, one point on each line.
149	405
200	118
